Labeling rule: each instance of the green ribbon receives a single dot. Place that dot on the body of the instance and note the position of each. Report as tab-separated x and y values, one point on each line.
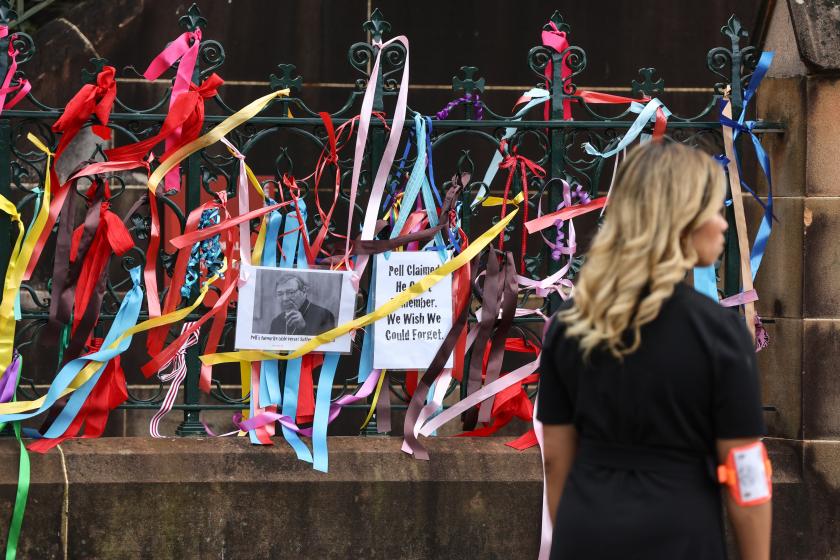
22	488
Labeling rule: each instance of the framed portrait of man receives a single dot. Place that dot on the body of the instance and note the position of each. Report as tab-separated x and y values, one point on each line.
283	308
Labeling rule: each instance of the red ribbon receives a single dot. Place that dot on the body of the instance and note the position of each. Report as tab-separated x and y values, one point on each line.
111	237
186	112
513	162
109	392
92	99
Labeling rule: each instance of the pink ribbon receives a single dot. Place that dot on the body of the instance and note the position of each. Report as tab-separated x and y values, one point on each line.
185	49
556	39
23	87
177	375
740	299
547	220
482	394
264	418
378	187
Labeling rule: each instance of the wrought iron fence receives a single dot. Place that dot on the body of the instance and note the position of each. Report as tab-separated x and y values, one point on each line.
290	129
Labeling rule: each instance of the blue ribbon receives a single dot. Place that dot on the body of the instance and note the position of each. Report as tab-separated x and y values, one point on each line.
747	127
126	318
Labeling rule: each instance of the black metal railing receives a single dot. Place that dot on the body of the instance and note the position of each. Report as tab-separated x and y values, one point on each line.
284	140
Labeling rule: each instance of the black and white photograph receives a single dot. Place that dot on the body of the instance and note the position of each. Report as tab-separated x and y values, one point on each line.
282	308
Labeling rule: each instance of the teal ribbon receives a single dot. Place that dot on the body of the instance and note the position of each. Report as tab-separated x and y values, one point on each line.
38	200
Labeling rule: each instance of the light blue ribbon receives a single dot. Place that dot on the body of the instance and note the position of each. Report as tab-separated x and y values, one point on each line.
270	375
646	114
126	318
538	96
322	411
366	358
291	386
705	281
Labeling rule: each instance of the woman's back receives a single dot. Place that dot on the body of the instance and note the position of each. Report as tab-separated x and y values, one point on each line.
642	483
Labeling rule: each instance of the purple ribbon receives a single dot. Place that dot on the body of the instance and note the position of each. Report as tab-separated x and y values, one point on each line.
8	383
469	98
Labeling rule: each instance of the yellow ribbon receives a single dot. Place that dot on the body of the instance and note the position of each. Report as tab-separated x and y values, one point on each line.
498	201
93	366
375	399
19	259
223	128
383	311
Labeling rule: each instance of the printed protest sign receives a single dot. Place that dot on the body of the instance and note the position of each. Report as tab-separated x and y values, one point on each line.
282	308
410	337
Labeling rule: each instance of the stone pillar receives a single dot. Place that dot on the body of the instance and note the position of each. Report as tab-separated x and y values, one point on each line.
797	284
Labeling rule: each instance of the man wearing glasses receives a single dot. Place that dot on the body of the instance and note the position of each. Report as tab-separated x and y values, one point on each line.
298	315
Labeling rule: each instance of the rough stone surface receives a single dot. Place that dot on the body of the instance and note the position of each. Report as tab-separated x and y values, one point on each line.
782	100
779	280
821	298
200	498
820	390
823	132
786	61
816	24
780	366
144	498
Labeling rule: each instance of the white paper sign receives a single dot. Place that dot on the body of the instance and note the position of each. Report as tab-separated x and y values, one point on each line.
283	308
410	337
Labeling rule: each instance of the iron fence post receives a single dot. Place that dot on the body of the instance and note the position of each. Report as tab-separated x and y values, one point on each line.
557	143
191	425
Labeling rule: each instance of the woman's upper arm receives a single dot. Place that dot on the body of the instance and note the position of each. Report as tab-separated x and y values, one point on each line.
737	399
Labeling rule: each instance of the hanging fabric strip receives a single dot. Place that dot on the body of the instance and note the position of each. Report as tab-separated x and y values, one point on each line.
378	186
322	412
184	51
531	98
22	87
19	259
555	39
9	383
92	99
75	374
647	114
176	377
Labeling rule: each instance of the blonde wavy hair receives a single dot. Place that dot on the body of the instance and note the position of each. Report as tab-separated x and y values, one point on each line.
663	191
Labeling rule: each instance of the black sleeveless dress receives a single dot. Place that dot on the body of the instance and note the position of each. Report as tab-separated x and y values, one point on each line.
642	484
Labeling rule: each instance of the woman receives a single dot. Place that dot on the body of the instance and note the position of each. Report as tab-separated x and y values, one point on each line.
645	383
